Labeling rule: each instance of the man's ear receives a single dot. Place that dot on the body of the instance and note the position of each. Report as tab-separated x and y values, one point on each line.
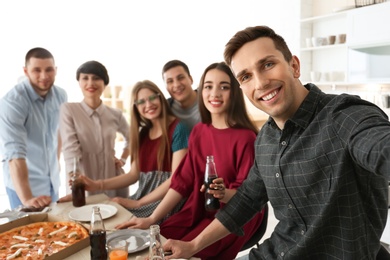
296	66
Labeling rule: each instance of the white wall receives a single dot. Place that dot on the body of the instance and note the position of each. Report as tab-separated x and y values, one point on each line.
132	38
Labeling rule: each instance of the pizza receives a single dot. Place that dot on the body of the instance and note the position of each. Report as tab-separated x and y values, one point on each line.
39	240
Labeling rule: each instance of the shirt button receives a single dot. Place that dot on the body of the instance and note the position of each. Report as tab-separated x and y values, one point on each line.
302	232
277	175
284	143
290	206
282	254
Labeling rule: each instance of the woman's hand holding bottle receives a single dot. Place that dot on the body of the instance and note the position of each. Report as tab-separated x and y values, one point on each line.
217	188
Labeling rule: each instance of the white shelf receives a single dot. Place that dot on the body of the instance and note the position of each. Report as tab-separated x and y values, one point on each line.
363	57
323	17
324	47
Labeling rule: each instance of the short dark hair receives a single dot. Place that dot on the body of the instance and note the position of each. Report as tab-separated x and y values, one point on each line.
39	53
94	67
250	34
174	63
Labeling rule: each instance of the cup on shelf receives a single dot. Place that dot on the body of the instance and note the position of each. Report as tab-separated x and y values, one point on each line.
385	103
318	41
331	39
325	76
341	38
315	76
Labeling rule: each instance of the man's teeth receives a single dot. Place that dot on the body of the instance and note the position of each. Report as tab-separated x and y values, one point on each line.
270	95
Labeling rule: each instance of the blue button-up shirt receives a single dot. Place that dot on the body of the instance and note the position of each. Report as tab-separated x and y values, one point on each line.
325	175
29	130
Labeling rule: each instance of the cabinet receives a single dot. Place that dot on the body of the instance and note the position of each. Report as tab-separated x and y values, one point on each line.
361	59
118	97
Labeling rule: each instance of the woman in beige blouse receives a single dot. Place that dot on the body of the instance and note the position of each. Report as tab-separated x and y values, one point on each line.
88	129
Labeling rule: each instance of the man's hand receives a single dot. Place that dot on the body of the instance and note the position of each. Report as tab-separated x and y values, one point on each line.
38	202
179	249
65	198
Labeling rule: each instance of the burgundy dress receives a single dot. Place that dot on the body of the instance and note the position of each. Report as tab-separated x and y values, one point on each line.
233	151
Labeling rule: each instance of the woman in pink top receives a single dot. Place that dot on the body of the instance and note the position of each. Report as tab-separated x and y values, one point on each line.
227	133
88	129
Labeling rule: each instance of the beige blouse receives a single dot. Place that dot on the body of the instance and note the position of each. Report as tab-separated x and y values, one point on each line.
90	135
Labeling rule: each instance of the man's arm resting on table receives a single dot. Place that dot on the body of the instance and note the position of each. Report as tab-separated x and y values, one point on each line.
19	175
212	233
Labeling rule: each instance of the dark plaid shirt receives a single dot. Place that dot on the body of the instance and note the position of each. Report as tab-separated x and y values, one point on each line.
325	174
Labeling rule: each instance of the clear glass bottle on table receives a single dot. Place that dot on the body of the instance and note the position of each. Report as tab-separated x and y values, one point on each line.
78	187
97	236
211	203
156	251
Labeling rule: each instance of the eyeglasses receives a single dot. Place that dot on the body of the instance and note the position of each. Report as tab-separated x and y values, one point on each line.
141	102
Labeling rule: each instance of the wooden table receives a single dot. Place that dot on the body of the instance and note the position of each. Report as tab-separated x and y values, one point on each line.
62	210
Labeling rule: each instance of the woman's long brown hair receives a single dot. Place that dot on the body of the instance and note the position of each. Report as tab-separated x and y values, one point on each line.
137	123
237	115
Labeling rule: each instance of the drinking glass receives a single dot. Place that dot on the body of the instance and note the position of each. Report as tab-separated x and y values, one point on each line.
118	249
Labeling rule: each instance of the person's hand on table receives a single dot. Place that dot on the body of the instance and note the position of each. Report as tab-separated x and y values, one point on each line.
66	198
38	202
127	203
179	249
134	222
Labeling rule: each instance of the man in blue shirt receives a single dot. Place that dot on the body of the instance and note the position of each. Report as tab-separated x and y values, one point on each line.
29	139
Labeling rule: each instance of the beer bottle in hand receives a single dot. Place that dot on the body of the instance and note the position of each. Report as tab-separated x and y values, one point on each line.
211	203
78	186
97	236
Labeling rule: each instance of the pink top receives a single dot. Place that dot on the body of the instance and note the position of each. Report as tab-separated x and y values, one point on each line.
90	135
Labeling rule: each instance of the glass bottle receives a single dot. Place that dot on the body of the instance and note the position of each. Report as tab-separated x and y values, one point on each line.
97	236
78	186
211	203
155	248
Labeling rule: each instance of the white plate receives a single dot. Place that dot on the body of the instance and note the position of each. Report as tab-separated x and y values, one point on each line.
84	213
138	239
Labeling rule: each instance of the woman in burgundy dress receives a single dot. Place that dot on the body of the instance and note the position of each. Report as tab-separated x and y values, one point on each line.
227	133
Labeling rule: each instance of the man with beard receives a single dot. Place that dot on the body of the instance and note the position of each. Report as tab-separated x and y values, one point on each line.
29	139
